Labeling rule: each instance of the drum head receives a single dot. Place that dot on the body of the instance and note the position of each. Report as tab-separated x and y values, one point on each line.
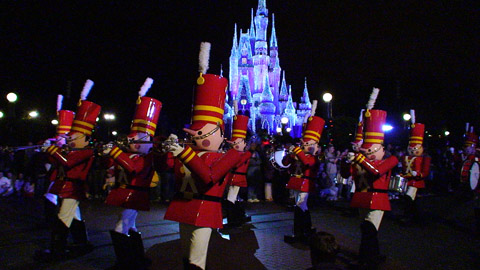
278	157
474	174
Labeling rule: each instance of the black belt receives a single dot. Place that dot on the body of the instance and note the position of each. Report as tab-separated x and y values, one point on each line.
72	180
377	190
198	196
240	173
303	176
135	187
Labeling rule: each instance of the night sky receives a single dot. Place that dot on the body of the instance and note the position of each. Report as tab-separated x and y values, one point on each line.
423	55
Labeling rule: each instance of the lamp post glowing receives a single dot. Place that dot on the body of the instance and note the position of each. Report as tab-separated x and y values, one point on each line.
109	116
1	114
407	117
114	133
54	122
327	98
33	114
447	133
284	120
12	97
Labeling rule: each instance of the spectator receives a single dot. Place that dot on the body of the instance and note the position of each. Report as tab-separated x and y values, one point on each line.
254	174
29	189
6	188
19	183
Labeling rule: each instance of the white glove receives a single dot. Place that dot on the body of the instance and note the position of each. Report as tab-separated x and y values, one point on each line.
46	144
414	173
350	156
175	148
172	137
107	148
291	148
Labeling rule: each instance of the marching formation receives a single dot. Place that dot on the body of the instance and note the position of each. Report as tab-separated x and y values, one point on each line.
210	170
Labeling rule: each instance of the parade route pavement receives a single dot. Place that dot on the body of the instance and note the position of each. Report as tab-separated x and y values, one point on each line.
441	239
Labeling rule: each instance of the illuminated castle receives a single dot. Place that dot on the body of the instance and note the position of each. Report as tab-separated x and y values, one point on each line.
257	83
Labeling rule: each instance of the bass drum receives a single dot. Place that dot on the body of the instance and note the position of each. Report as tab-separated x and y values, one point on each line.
470	173
276	159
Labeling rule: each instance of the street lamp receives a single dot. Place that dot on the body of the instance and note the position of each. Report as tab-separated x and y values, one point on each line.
327	98
407	116
114	133
109	116
284	120
1	114
33	114
54	122
447	133
279	129
12	97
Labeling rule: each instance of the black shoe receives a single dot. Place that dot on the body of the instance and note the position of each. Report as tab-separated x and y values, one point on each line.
81	246
57	251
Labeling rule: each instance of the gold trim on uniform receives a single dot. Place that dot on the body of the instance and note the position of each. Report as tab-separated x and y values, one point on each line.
145	122
82	130
142	129
313	132
311	137
182	156
207	118
208	108
83	123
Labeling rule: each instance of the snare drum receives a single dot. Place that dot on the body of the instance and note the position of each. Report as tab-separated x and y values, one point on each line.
276	159
398	184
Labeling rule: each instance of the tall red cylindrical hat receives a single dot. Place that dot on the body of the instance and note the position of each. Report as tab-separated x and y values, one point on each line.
373	121
209	102
471	139
146	116
86	117
65	120
240	127
416	134
359	134
314	128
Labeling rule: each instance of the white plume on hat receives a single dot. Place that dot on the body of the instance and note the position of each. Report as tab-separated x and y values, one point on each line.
412	114
203	57
360	119
314	107
466	128
59	102
86	89
235	106
145	87
373	98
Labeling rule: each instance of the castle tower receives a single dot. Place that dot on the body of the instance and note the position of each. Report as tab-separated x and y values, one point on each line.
267	109
260	59
274	65
233	72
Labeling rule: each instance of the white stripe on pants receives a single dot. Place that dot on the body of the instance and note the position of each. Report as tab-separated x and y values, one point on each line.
373	216
195	243
68	211
233	193
412	192
301	200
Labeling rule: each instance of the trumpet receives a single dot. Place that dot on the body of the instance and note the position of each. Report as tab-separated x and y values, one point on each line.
25	147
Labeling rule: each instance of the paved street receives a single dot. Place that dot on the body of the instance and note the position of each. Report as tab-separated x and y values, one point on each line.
442	240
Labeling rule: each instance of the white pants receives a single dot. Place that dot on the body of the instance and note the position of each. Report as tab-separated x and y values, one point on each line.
68	211
301	200
233	193
412	192
126	221
194	242
373	216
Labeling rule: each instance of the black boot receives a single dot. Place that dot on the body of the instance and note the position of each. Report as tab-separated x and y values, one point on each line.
58	244
369	253
81	245
409	212
477	220
235	215
123	250
308	230
189	266
138	250
298	227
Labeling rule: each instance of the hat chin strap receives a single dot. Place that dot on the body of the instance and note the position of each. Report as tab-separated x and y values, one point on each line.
203	136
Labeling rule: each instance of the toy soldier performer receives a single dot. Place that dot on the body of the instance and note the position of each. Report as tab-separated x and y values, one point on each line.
69	185
133	173
372	178
238	176
416	167
200	169
304	170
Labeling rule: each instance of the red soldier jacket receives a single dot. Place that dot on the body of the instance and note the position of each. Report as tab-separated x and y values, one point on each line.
71	173
238	177
200	184
134	174
421	165
371	182
302	181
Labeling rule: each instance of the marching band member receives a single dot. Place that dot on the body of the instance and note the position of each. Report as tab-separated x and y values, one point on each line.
200	169
372	178
65	121
133	173
238	176
69	185
304	171
416	167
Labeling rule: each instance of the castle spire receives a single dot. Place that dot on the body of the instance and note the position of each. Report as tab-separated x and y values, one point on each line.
252	26
283	89
305	98
262	8
267	95
235	43
290	108
273	38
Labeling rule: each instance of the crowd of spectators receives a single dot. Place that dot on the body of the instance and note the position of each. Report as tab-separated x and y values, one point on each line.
25	173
